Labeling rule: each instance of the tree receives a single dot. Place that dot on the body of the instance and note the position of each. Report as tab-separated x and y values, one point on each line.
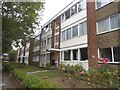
12	55
19	19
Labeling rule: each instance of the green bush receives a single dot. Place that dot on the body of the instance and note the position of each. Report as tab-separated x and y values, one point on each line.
29	81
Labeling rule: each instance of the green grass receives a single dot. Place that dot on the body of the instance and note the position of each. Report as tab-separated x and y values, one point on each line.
51	73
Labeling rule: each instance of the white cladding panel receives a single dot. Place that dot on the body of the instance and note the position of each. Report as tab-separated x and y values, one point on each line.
75	18
74	41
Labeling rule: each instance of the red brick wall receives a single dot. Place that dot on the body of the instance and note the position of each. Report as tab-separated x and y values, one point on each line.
91	27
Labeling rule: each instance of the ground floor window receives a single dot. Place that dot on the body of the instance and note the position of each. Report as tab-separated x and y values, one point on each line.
75	54
80	54
116	54
67	55
113	53
106	53
84	54
48	57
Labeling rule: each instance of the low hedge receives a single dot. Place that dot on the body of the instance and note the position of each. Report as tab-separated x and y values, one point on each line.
27	80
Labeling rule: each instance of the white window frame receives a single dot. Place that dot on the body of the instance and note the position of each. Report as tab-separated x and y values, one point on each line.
108	25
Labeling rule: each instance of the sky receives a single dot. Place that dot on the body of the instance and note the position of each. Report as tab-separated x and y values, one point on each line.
52	7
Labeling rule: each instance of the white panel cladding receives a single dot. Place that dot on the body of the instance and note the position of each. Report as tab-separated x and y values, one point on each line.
75	18
43	49
83	63
74	41
46	34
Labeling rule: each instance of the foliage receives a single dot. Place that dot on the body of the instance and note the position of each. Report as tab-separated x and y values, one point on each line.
19	19
105	74
71	69
29	81
12	55
47	66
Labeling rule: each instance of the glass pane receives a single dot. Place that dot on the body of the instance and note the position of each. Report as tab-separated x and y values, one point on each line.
116	54
67	14
75	30
114	22
73	10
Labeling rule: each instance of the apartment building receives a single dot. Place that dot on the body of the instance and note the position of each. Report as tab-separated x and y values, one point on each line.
80	33
108	30
25	54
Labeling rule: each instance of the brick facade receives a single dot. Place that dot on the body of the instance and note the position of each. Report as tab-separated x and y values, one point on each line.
91	27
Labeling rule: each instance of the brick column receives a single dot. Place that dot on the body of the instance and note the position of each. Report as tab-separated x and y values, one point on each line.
31	51
92	39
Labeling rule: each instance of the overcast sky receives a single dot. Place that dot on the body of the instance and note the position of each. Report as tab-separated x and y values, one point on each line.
52	7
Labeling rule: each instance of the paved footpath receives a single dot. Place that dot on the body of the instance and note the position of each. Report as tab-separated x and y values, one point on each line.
9	82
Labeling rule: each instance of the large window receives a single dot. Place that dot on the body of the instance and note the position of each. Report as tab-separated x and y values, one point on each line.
67	55
75	31
109	24
68	33
106	53
103	25
83	28
74	9
113	53
101	3
67	14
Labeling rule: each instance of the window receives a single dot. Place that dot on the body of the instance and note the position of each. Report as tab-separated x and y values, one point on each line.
48	57
116	51
101	3
48	40
106	53
83	28
103	25
63	16
68	33
67	14
81	5
56	30
74	31
119	20
75	54
67	55
56	38
74	10
44	42
84	54
114	22
63	36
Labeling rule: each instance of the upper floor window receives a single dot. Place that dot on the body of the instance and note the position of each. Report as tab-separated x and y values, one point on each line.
74	31
74	9
83	28
81	5
114	22
101	3
63	35
67	14
109	24
103	25
68	33
48	40
63	16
